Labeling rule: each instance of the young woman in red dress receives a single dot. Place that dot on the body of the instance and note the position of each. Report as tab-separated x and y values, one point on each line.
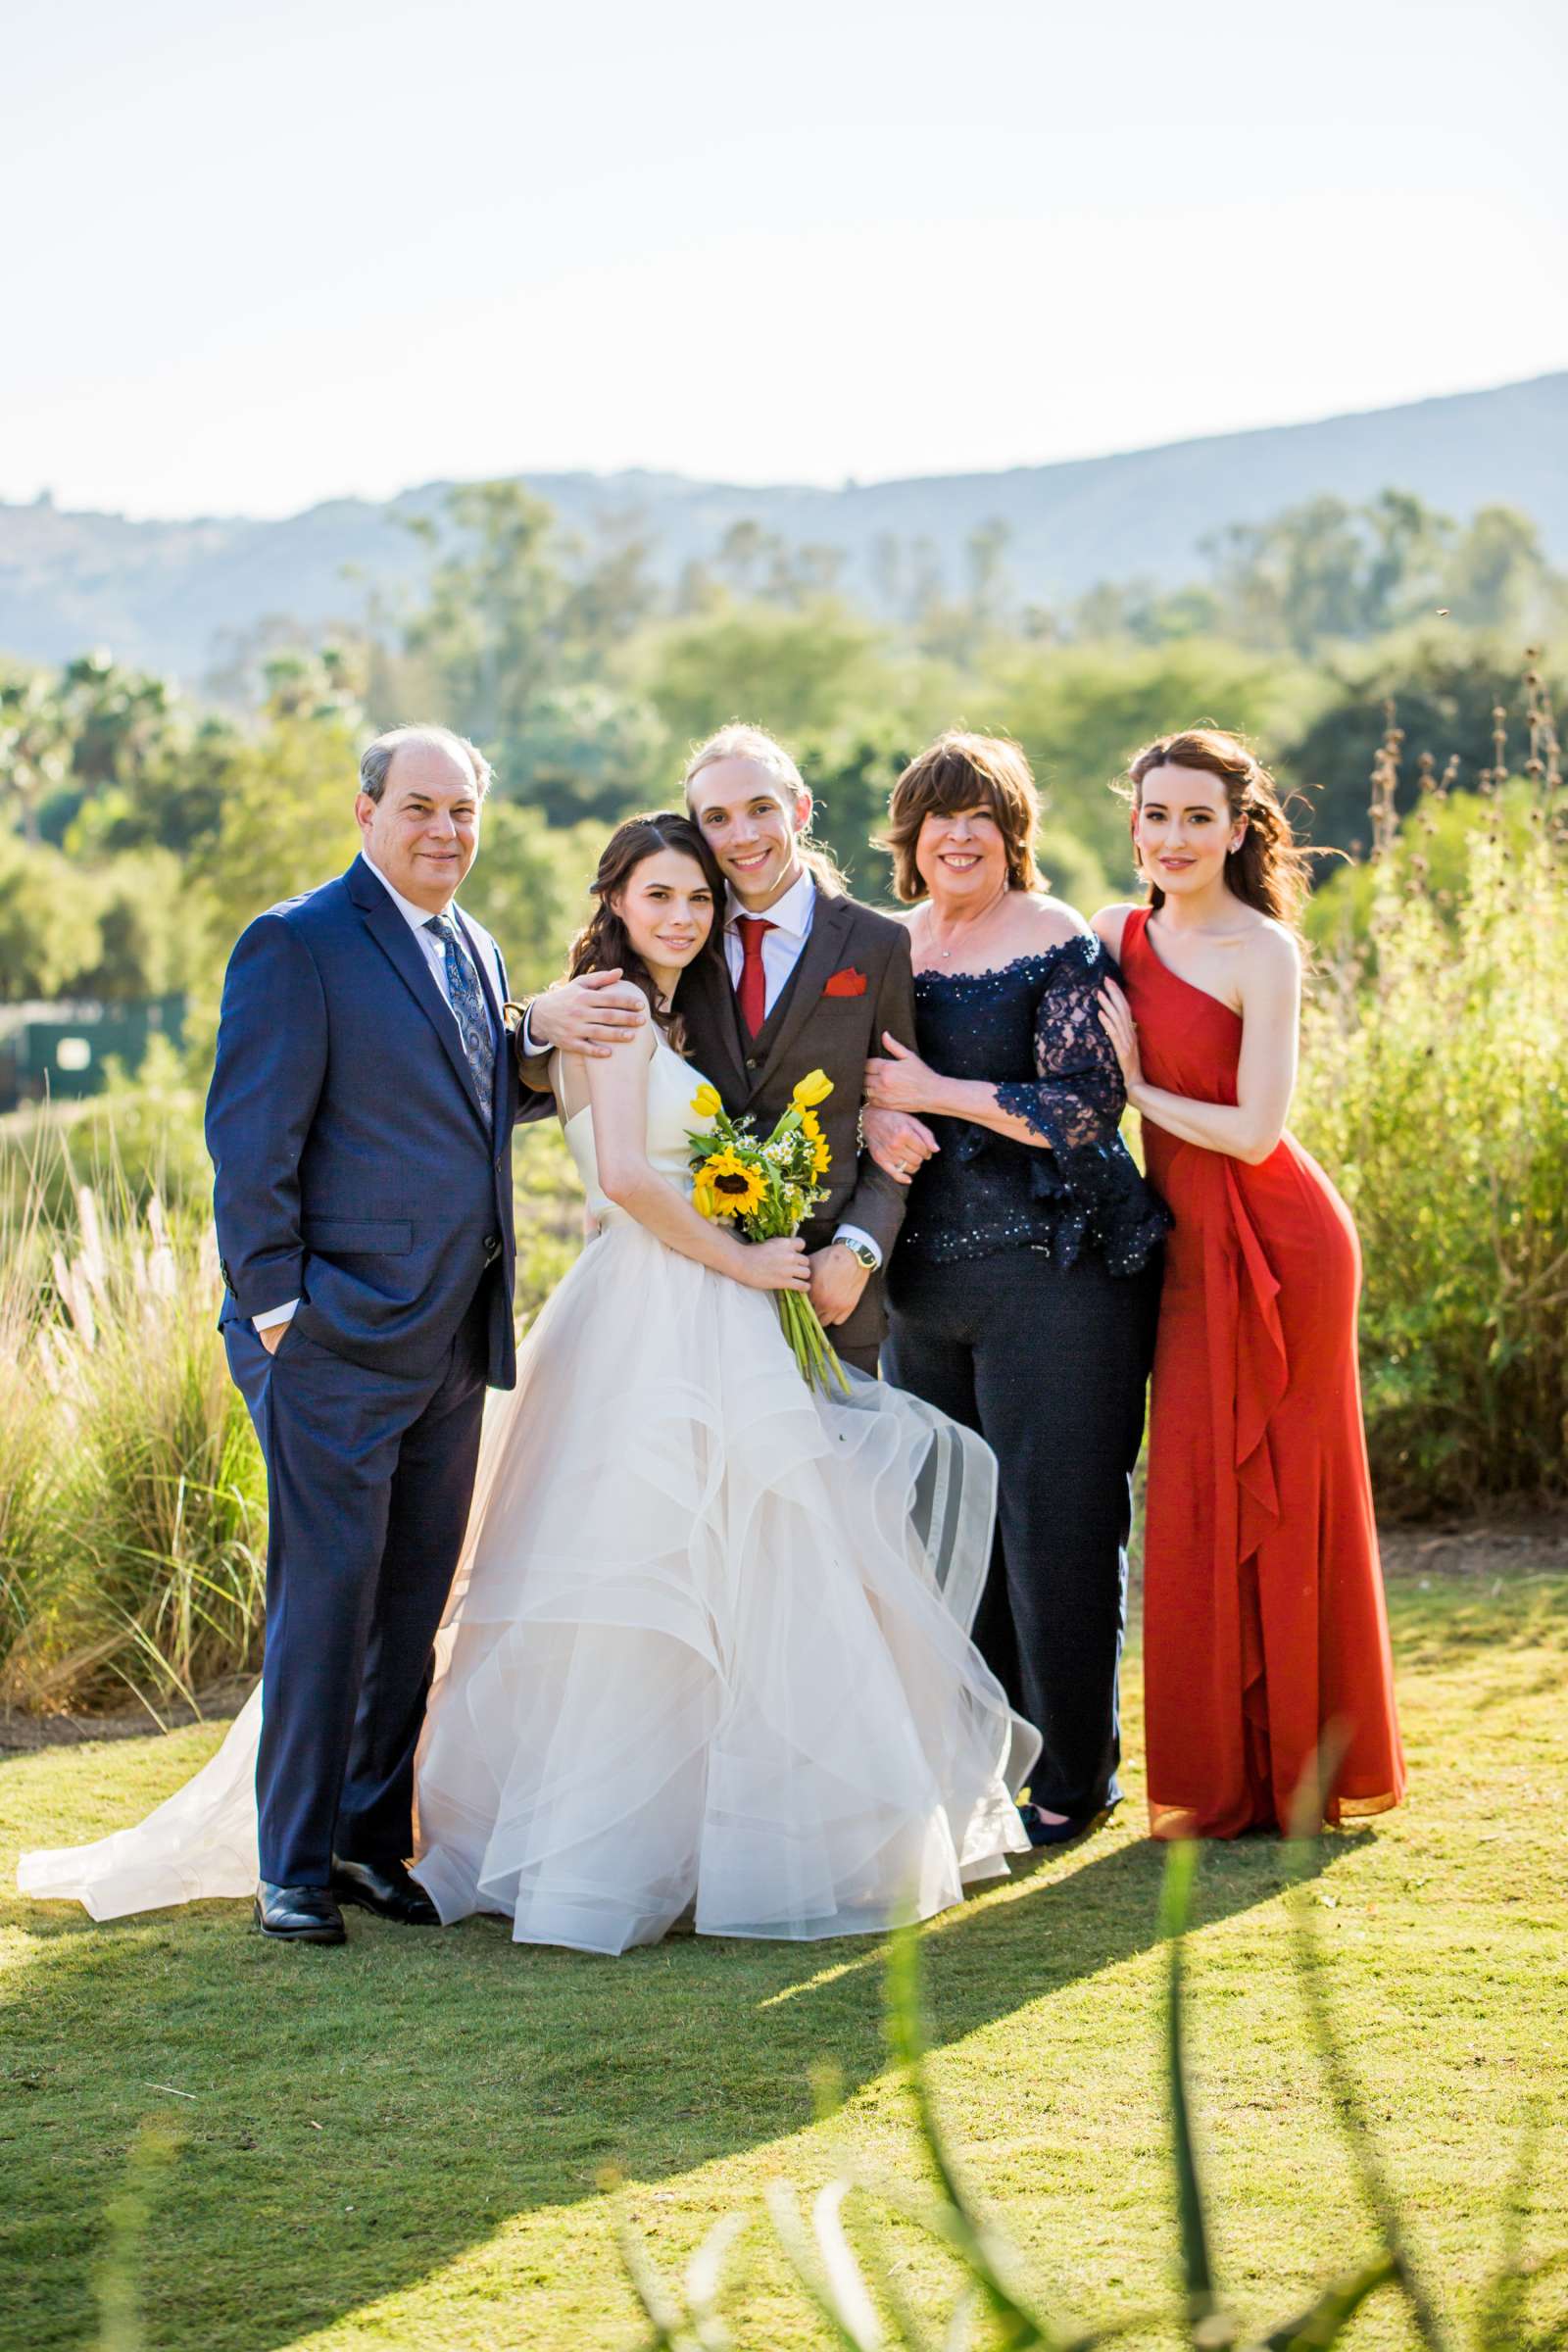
1264	1629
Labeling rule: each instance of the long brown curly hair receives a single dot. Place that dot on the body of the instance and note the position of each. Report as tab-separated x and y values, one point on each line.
1269	869
602	944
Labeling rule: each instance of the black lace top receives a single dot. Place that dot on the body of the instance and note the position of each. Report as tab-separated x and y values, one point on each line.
1033	1026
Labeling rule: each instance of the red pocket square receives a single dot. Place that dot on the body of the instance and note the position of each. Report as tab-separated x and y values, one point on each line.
848	982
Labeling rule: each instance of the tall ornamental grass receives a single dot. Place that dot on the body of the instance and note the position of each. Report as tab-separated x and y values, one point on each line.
132	1496
133	1500
1435	1092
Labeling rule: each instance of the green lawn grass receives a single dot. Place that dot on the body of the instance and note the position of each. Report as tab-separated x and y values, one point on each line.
401	2144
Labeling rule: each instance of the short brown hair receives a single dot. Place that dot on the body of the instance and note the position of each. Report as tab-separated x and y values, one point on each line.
964	772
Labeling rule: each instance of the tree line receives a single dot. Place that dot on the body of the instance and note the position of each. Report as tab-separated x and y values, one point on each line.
144	823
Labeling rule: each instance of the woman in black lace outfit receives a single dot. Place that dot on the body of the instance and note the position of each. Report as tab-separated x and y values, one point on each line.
1025	1285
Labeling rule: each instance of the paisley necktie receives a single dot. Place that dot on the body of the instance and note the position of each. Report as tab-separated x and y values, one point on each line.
468	1009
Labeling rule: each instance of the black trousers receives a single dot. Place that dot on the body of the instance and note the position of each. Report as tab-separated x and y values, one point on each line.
369	1481
1050	1365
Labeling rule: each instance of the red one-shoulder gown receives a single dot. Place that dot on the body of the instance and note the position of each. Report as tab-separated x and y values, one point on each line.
1264	1627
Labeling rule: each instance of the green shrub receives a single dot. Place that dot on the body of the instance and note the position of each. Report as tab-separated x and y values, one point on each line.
33	1459
49	929
139	1137
1434	1092
132	1496
137	1555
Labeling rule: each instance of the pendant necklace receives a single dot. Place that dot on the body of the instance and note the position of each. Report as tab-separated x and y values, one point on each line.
946	955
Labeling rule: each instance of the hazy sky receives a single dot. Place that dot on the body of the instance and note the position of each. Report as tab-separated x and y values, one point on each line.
259	257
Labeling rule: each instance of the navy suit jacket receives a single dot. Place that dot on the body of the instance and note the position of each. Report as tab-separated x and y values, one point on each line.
353	1170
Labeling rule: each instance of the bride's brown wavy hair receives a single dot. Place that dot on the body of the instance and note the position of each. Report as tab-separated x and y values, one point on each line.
602	944
1269	869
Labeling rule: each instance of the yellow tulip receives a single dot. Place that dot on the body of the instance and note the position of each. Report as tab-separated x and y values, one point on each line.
814	1088
705	1102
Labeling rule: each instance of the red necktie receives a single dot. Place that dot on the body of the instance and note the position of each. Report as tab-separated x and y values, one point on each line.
751	993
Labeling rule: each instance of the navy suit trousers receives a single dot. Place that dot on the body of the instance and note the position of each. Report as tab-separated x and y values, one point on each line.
369	1481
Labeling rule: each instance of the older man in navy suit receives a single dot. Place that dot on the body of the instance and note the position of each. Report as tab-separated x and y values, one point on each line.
360	1122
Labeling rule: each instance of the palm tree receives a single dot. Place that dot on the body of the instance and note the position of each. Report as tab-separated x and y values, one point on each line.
36	738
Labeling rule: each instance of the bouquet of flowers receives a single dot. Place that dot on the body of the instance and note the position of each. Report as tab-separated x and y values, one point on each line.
765	1188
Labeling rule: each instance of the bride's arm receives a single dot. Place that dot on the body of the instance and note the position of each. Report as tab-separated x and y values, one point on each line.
618	1090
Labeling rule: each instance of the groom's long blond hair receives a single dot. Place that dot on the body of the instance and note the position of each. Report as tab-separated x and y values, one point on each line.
739	741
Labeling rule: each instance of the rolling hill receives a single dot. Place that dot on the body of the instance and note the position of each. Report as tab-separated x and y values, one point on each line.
165	594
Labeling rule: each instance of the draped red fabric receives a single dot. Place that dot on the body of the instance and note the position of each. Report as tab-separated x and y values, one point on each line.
1265	1628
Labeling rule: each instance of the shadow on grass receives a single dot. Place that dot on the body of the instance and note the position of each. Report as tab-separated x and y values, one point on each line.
354	2120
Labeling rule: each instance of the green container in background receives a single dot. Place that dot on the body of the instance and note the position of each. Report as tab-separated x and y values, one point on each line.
63	1051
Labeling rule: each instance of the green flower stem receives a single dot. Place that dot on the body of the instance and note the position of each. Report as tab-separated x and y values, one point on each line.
813	1351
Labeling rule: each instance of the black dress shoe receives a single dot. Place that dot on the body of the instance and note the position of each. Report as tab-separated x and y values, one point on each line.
385	1887
297	1913
1043	1832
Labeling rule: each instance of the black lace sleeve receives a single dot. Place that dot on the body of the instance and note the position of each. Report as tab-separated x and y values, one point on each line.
1074	1105
1076	1102
1031	1030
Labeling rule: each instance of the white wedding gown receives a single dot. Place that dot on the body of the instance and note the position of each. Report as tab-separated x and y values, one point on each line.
707	1647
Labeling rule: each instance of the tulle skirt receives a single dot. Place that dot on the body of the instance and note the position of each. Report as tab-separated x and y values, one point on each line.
708	1650
706	1653
200	1842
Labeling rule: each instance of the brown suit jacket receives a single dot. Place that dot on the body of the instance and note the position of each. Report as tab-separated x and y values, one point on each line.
810	1027
814	1025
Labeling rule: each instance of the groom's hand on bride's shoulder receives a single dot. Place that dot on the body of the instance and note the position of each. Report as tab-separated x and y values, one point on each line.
591	1015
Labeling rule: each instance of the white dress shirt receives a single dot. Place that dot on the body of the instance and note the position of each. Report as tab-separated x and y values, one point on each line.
791	918
435	955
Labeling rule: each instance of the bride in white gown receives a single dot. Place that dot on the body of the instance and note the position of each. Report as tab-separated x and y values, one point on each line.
708	1649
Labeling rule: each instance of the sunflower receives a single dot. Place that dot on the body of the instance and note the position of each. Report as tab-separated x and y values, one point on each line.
733	1188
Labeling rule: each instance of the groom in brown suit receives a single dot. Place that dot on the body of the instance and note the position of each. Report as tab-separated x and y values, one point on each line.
815	980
